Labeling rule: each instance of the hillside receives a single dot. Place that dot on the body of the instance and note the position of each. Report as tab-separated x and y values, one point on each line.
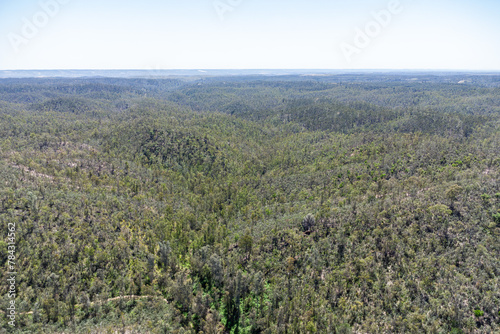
344	204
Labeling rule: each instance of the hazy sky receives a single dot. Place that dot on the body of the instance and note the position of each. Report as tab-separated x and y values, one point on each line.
250	34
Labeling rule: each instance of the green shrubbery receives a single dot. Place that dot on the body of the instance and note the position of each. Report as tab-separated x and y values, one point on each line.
478	313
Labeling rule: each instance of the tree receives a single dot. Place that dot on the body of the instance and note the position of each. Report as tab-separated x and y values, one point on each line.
308	223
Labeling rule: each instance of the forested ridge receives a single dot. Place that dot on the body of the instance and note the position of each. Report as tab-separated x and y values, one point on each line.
357	204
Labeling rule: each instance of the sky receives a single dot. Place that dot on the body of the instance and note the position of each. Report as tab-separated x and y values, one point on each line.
250	34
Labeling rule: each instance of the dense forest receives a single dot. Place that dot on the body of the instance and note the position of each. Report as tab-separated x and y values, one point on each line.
252	204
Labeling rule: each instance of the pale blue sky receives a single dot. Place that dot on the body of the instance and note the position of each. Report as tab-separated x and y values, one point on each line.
255	34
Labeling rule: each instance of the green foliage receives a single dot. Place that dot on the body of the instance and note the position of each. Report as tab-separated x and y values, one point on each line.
453	192
245	243
485	198
440	210
252	205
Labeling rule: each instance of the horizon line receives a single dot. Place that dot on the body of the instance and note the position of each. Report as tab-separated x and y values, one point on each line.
256	69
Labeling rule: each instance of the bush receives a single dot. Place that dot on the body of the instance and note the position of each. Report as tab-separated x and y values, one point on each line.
478	313
456	331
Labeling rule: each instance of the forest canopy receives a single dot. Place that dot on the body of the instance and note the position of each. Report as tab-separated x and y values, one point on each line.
336	204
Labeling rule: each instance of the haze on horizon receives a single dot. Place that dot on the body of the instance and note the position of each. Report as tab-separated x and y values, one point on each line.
244	34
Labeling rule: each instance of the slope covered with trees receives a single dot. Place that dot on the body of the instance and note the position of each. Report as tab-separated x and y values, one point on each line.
252	205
